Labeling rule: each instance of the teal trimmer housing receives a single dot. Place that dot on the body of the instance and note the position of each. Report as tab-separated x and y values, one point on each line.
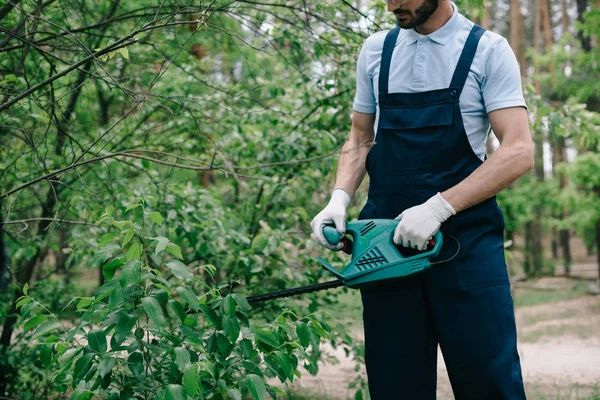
375	257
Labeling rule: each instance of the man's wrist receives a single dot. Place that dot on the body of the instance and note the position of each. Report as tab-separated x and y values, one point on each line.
342	196
443	206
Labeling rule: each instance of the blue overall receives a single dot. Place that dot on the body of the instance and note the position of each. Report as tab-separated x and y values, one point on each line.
464	305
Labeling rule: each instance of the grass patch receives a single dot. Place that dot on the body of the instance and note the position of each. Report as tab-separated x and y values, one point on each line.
538	391
529	296
348	309
576	330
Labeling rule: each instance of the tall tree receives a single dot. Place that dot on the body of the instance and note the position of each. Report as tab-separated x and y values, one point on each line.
516	39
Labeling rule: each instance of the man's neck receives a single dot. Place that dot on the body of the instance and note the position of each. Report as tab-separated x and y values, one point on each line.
438	18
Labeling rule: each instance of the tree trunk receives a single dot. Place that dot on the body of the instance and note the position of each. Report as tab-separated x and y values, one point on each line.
485	18
565	16
598	245
546	23
565	235
554	244
586	42
22	277
536	248
3	260
528	250
516	35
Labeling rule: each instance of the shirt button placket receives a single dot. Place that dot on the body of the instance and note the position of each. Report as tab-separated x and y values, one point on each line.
420	63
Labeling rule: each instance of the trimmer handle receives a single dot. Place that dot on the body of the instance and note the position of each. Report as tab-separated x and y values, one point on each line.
331	234
334	237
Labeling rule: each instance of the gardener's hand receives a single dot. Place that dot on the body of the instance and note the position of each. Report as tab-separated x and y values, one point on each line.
334	212
418	224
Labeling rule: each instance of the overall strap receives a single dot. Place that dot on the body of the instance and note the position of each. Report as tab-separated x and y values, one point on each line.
466	58
386	59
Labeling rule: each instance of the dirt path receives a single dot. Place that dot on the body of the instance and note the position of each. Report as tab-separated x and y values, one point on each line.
559	345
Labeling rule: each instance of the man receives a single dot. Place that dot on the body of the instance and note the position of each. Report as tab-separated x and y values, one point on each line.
432	87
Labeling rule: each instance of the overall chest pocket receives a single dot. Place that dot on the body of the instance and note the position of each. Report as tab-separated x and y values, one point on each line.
413	137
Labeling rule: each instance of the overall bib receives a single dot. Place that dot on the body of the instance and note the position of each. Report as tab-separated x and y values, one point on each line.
464	304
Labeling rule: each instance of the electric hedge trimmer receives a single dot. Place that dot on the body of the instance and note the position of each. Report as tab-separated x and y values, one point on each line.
375	257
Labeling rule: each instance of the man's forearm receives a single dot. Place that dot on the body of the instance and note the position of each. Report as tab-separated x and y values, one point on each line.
497	173
351	166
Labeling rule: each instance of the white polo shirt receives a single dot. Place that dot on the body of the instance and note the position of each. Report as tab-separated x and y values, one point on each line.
427	62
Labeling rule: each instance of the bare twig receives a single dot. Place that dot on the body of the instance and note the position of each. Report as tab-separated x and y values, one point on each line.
64	221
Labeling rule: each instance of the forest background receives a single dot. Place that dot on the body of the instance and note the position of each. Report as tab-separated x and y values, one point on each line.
161	160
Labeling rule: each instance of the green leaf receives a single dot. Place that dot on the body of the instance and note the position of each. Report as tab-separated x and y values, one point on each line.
123	328
81	394
175	250
110	268
128	236
105	366
267	337
84	302
358	395
135	363
286	364
175	392
134	252
191	381
176	309
152	308
229	306
161	244
156	217
46	354
25	288
105	290
106	239
189	297
123	51
130	274
116	299
210	314
97	341
82	366
46	327
303	334
224	345
23	301
161	295
242	302
182	357
231	328
256	386
247	348
35	321
234	393
132	206
180	270
104	254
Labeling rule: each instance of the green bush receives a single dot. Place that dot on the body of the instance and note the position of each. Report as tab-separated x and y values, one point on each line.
157	329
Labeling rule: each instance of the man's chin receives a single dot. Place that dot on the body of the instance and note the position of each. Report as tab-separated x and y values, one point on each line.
405	24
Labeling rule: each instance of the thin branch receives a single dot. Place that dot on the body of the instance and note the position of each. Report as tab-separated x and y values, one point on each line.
65	221
7	8
117	45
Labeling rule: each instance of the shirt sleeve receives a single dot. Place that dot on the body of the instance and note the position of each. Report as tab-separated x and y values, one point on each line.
364	99
501	86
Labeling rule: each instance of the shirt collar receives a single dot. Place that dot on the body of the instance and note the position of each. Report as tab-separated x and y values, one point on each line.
442	35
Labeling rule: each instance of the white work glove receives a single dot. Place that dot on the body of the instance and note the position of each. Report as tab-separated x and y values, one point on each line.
418	224
334	212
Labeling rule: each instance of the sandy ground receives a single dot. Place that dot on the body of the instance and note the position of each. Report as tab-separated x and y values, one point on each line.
559	346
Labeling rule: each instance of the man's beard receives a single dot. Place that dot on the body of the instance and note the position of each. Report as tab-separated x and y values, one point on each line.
422	14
